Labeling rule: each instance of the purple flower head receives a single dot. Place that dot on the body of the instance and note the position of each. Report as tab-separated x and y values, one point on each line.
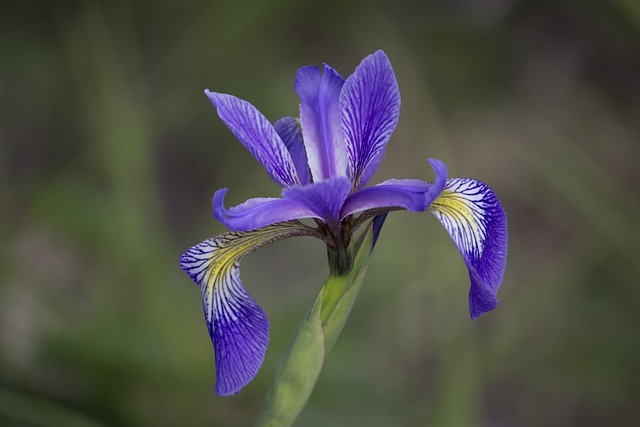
323	161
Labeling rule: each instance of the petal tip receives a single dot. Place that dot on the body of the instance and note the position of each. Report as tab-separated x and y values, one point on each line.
436	163
240	349
309	68
380	54
213	96
326	68
440	169
482	293
217	203
305	76
222	99
476	314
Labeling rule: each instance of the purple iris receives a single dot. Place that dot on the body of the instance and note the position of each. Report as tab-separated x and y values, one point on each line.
323	161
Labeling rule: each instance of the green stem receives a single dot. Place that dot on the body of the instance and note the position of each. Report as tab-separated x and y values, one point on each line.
300	366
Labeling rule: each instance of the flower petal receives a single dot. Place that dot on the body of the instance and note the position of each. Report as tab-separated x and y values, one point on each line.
371	168
258	135
320	118
472	214
324	198
238	327
290	132
406	194
258	212
370	105
410	194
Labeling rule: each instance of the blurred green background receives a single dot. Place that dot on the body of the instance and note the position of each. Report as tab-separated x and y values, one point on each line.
110	153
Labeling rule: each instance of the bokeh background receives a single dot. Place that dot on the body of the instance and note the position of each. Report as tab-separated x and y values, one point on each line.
110	153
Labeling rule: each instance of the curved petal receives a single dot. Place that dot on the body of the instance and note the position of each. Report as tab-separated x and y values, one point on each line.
370	105
320	117
289	130
410	194
324	198
258	212
258	135
238	327
394	193
472	214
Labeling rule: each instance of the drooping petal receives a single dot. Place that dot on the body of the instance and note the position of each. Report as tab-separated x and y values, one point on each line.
320	117
324	198
258	135
370	105
472	214
290	132
410	194
238	327
258	212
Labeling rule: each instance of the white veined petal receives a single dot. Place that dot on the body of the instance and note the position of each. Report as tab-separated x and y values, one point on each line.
472	214
238	327
462	210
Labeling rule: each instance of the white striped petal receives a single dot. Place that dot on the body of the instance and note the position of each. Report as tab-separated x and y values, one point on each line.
238	327
472	214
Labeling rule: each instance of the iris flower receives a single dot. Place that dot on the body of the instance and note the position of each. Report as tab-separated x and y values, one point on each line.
323	160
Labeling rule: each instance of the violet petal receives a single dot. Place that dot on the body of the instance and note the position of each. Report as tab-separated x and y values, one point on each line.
258	212
320	117
290	132
257	134
472	214
410	194
238	327
370	105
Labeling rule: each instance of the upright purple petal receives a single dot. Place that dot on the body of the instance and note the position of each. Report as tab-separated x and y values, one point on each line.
324	198
472	214
258	212
238	327
290	132
410	194
320	117
258	135
370	105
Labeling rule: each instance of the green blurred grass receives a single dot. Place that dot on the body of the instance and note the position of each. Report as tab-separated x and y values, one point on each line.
110	153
